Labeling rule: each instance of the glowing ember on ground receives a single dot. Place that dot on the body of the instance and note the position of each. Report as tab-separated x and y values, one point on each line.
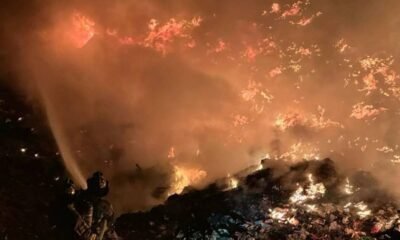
279	214
348	188
312	192
232	182
363	210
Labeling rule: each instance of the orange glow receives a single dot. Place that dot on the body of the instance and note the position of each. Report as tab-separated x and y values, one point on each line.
314	121
275	8
233	80
289	120
361	111
250	53
159	36
294	10
184	177
82	30
232	182
313	191
171	152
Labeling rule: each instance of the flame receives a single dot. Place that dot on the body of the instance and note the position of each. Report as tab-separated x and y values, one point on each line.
82	30
301	150
305	21
219	48
259	167
348	205
275	72
298	196
279	214
272	75
348	188
361	111
184	177
311	208
160	36
275	8
295	118
240	120
294	10
312	192
315	189
232	182
251	53
289	120
171	152
341	45
363	210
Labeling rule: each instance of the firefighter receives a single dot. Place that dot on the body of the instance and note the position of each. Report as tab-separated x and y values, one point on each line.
85	214
97	216
98	186
84	220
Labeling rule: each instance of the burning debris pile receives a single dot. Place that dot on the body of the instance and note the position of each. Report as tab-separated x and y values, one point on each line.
165	83
309	200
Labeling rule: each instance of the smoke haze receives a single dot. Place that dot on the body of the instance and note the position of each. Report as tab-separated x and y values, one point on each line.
213	86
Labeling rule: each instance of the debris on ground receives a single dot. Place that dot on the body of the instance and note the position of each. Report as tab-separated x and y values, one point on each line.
310	201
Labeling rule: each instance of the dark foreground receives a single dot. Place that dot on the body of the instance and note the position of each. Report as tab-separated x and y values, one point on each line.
268	205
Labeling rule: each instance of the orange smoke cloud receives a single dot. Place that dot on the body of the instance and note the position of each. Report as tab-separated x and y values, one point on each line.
223	82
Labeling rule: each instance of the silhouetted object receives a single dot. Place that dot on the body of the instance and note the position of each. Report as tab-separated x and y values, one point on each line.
65	219
90	217
97	186
84	221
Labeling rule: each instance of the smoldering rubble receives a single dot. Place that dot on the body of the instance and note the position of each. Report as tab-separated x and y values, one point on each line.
308	200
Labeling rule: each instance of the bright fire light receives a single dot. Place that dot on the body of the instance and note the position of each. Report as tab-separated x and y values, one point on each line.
184	177
82	29
312	192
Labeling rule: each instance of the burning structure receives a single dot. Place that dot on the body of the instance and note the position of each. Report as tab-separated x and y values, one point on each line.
166	95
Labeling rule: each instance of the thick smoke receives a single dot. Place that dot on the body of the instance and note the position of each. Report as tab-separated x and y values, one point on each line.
144	86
